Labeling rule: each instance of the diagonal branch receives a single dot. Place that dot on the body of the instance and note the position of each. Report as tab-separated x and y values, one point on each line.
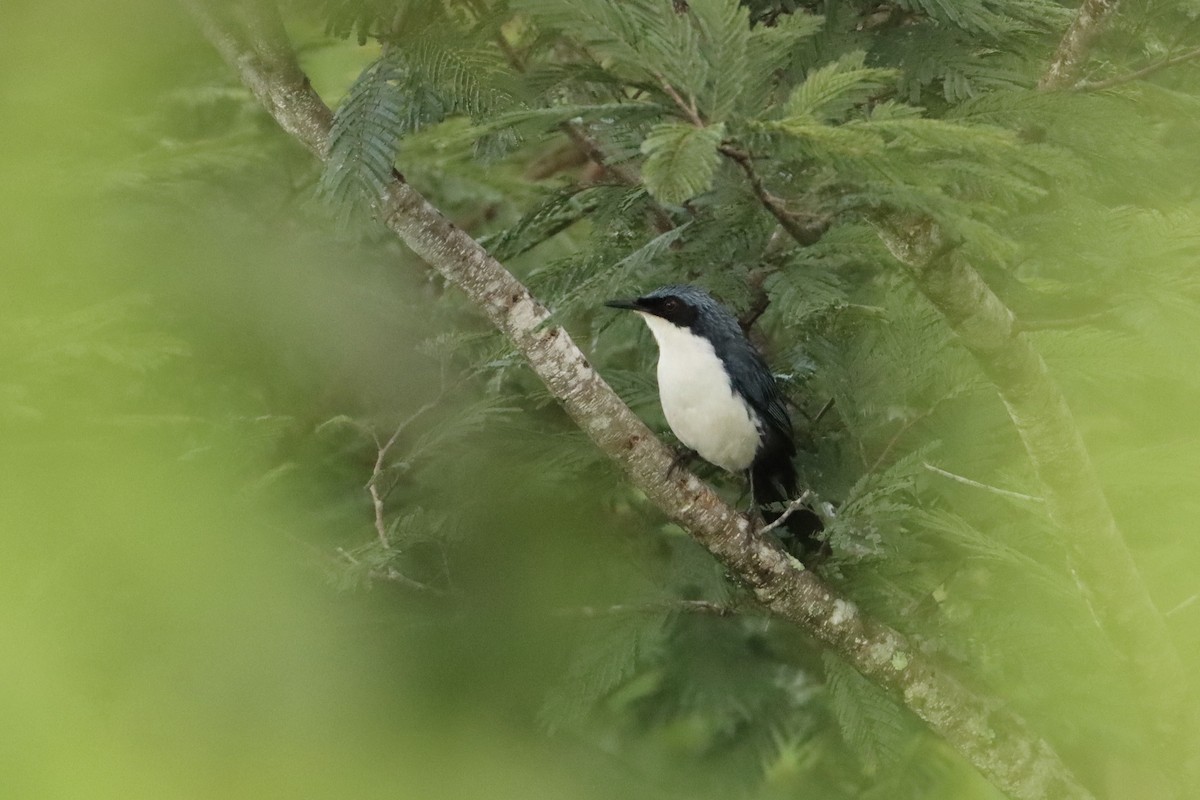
987	488
1144	72
805	229
590	148
792	508
583	143
269	70
983	730
1074	47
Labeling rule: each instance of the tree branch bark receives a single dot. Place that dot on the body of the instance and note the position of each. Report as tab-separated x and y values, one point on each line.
1076	43
997	742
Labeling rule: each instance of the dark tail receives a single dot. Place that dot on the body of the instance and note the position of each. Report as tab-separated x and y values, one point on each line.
773	483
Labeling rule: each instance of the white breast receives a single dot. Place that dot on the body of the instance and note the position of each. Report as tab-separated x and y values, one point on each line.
698	400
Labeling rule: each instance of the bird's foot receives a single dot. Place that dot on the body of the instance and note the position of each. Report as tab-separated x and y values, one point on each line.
755	517
683	457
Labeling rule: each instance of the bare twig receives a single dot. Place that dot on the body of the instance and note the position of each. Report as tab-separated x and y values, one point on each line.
1144	72
377	472
592	149
1181	606
582	141
1065	323
688	107
392	575
993	489
824	410
905	428
806	229
668	606
760	301
792	508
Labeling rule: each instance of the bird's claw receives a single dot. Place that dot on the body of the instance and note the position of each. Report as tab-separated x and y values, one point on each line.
683	457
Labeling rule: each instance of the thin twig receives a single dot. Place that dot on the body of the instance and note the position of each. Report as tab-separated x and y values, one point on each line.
905	428
807	229
760	301
792	508
377	472
620	609
1144	72
584	143
1181	606
824	410
1065	323
591	148
391	575
688	108
993	489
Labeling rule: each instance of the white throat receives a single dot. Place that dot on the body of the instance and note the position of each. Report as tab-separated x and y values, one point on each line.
699	402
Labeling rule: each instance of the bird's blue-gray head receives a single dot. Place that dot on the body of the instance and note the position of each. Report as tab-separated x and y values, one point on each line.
685	306
679	312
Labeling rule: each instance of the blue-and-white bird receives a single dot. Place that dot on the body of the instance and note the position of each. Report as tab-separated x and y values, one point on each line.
719	396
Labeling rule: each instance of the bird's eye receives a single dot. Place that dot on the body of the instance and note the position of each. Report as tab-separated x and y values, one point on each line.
670	304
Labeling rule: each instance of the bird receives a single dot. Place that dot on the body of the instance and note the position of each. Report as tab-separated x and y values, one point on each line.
720	398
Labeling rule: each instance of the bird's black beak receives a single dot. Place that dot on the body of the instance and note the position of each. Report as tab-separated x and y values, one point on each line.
627	304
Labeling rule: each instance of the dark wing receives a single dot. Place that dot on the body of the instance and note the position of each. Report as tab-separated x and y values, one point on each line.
749	373
757	385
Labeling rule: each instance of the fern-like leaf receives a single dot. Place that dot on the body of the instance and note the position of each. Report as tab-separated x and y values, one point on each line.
724	27
681	160
605	659
827	93
365	136
869	720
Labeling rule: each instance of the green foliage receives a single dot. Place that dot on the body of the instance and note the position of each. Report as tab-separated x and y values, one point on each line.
607	655
591	146
827	109
829	92
871	722
422	78
367	131
681	160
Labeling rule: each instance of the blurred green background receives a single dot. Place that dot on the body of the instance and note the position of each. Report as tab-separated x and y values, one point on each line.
196	364
169	628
